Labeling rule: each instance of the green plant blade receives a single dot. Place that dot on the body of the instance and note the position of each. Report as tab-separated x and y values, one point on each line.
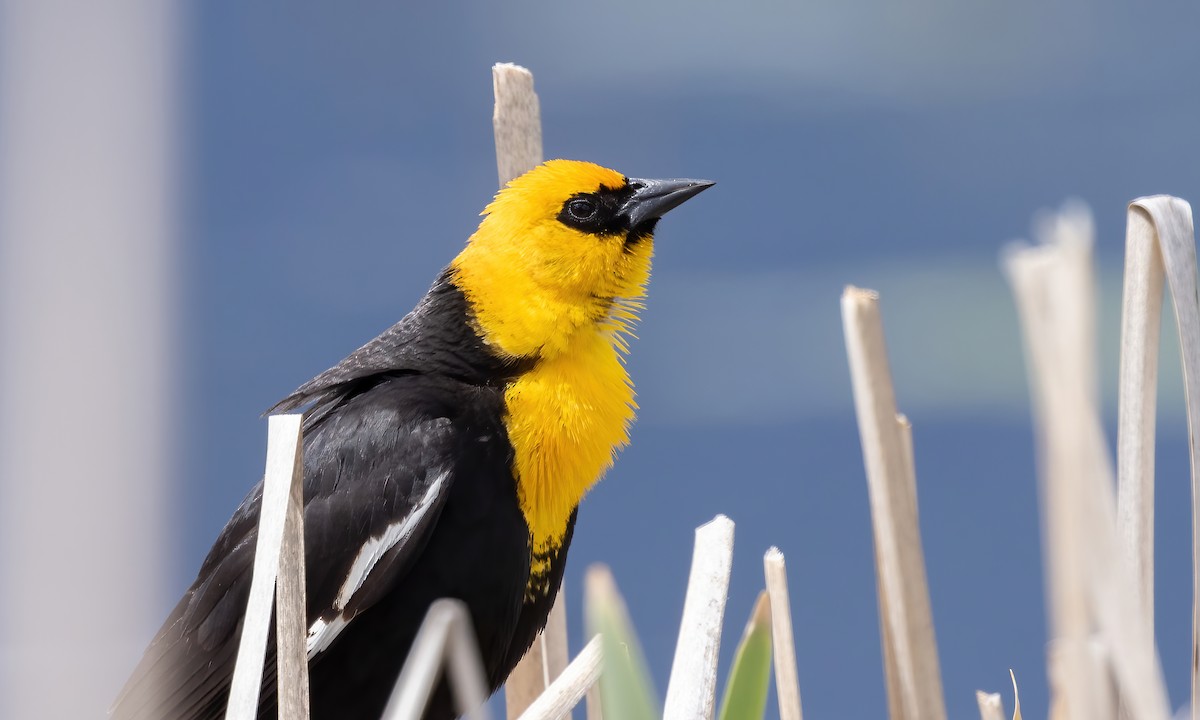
626	690
746	689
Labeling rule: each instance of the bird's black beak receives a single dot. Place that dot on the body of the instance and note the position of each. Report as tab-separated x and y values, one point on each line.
652	199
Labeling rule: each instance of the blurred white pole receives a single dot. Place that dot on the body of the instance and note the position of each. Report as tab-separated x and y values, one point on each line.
87	198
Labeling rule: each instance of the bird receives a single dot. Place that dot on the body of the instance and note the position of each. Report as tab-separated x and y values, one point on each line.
446	458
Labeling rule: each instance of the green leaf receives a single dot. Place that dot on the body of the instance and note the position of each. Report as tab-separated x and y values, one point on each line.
626	690
746	689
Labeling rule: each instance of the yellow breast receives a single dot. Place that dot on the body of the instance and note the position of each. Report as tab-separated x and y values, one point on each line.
566	420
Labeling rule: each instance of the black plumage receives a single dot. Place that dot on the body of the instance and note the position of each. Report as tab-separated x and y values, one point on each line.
409	427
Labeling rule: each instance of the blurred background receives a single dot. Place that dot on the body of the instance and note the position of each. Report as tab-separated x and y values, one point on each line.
202	205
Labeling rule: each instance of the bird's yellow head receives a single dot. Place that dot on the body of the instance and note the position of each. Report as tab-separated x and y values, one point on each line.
565	246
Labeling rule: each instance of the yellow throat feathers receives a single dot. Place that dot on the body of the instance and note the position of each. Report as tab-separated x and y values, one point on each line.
540	289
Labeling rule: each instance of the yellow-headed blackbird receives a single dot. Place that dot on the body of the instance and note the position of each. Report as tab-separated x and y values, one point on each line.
445	458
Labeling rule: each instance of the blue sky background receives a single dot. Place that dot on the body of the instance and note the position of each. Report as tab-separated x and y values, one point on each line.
339	153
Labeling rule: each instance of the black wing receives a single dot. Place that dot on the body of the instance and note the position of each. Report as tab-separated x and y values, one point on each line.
378	468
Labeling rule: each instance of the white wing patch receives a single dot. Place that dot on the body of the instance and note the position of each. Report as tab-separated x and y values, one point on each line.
322	633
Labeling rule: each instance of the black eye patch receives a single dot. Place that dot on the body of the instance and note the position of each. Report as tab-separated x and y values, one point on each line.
597	213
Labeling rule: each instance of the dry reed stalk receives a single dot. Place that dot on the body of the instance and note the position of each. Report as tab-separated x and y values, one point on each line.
595	709
279	551
1098	629
446	637
516	121
887	643
1170	221
787	679
991	707
1017	698
910	465
691	691
576	681
546	660
291	606
1046	300
911	664
1141	319
517	127
526	681
891	673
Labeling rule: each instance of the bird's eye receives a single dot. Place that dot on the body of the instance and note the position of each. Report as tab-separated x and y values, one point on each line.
582	209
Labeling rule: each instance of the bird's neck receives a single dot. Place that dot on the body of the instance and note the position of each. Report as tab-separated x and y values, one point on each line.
570	413
567	418
517	316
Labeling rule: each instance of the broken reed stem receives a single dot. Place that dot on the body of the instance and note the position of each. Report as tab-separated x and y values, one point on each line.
291	613
691	691
517	127
446	638
1048	301
595	708
1017	699
1098	629
1029	271
891	673
1172	223
575	681
907	621
1072	230
904	427
546	660
526	681
516	121
787	679
1141	320
553	638
279	550
991	707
